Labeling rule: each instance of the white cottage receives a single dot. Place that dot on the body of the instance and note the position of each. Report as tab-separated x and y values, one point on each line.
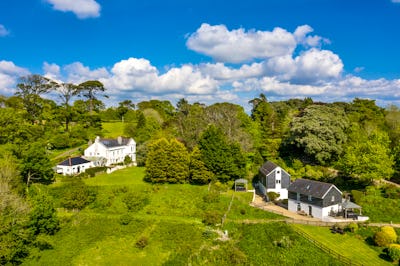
272	178
111	151
72	166
314	198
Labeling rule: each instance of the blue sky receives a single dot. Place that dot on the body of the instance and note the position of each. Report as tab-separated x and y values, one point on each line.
207	51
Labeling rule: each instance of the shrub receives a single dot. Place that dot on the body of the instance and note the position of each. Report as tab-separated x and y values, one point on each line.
142	242
394	252
386	236
284	242
125	219
211	197
272	195
352	227
211	218
135	201
77	195
94	170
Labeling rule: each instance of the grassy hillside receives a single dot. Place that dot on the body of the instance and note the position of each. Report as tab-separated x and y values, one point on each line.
113	129
130	222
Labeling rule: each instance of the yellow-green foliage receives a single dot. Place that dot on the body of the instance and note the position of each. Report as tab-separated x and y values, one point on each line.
386	236
394	251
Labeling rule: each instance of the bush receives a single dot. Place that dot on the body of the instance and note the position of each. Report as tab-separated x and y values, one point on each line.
77	195
352	227
125	219
272	195
394	252
211	197
142	242
386	236
211	218
135	201
94	170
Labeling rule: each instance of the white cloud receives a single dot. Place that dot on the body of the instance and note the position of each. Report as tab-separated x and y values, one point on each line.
9	74
81	8
3	31
302	37
395	1
78	73
52	71
219	71
238	45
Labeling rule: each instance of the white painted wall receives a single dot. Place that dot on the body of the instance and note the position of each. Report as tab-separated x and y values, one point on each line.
72	170
317	212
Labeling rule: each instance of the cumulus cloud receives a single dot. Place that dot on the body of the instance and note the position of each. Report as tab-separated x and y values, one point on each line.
3	31
81	8
301	35
9	74
136	74
239	45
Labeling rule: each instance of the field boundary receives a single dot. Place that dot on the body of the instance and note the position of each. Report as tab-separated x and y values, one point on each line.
324	248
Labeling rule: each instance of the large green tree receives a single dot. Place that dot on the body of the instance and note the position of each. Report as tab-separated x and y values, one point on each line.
320	132
89	89
367	156
65	92
167	162
35	165
29	89
225	160
199	174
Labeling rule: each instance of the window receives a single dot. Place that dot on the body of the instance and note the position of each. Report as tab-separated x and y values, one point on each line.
298	196
333	198
298	207
309	198
278	172
278	181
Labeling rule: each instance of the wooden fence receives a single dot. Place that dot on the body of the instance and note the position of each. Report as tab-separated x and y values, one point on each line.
326	249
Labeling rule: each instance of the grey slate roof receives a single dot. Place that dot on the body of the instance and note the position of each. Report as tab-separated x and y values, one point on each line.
110	143
74	161
267	167
310	187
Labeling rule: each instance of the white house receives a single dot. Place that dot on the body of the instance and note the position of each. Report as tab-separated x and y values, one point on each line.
73	166
272	178
314	198
111	151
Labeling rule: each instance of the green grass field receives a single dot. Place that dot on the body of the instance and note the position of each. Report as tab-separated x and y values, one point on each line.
113	129
166	228
347	245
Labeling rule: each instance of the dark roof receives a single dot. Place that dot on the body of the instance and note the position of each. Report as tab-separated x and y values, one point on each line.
310	187
120	141
267	167
74	161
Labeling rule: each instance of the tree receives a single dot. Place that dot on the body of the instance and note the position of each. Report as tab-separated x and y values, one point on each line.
386	236
320	132
367	157
167	161
35	165
223	159
43	217
66	92
89	89
14	232
124	107
199	174
29	90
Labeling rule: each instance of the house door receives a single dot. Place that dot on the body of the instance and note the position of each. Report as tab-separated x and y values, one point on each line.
310	210
298	207
78	169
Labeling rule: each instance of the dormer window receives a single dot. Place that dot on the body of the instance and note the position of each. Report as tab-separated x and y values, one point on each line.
333	198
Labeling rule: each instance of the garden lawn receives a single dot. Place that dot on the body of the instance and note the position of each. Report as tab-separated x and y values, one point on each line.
113	129
346	245
124	177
